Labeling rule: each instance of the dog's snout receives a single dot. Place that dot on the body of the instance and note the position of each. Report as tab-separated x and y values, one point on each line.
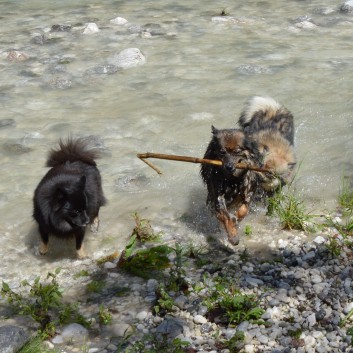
229	166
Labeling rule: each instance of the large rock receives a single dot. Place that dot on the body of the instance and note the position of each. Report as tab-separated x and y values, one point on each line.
127	58
12	339
347	7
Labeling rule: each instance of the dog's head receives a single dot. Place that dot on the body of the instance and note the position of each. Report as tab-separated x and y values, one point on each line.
233	148
71	203
278	156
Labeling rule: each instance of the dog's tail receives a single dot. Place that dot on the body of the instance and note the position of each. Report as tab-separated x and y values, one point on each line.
264	113
73	150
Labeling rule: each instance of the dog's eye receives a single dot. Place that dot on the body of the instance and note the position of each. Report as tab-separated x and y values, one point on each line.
222	152
74	213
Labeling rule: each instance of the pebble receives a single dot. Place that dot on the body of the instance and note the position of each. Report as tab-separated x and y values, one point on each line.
119	21
91	28
199	319
127	58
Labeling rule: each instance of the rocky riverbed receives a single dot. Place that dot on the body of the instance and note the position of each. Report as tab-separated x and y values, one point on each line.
304	290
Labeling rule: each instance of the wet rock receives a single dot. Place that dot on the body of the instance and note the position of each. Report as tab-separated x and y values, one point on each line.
107	69
60	28
232	20
60	83
12	339
16	56
153	28
249	69
7	123
74	333
305	25
43	39
16	148
128	58
119	21
39	39
91	28
347	7
134	29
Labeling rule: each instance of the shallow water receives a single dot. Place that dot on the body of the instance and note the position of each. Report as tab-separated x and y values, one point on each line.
199	71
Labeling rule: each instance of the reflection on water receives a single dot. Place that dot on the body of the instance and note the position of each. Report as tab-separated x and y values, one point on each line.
200	68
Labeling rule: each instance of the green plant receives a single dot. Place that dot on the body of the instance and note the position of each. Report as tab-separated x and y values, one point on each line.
157	344
143	229
165	302
96	286
176	280
82	273
110	258
35	345
235	344
228	302
295	333
145	263
43	303
248	230
350	333
105	317
345	197
290	210
121	291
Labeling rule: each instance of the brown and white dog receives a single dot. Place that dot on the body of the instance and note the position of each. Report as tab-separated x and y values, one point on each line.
265	139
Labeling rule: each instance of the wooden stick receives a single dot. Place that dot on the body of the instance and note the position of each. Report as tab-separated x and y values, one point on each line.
172	157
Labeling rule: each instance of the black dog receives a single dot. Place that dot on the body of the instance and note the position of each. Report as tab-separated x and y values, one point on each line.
264	140
70	195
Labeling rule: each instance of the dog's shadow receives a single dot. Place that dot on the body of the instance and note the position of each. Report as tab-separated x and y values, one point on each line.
58	248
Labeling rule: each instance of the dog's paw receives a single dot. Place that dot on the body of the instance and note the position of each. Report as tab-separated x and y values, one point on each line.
43	249
234	239
81	253
95	225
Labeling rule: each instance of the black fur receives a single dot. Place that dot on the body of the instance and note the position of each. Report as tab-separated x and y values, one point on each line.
69	196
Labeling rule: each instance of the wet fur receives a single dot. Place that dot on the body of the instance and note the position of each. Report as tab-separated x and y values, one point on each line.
69	196
265	139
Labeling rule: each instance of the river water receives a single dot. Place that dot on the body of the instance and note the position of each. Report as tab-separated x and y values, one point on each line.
200	69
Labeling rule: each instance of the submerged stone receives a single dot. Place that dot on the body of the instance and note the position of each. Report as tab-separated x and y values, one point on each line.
347	7
60	28
91	28
127	58
7	122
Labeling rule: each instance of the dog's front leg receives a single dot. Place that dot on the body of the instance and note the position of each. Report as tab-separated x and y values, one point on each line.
242	211
229	221
44	235
80	251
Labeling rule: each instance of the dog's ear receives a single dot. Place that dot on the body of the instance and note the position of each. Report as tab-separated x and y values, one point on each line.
214	130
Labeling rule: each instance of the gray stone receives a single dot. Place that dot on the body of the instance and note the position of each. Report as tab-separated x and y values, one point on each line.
91	28
74	333
171	327
12	339
347	7
128	58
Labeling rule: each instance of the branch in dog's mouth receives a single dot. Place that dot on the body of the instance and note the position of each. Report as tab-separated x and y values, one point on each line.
144	156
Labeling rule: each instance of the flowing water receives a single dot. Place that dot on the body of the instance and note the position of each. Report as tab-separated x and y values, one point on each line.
200	69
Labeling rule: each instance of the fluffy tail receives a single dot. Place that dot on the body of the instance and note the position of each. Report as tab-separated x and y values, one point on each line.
264	113
73	150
